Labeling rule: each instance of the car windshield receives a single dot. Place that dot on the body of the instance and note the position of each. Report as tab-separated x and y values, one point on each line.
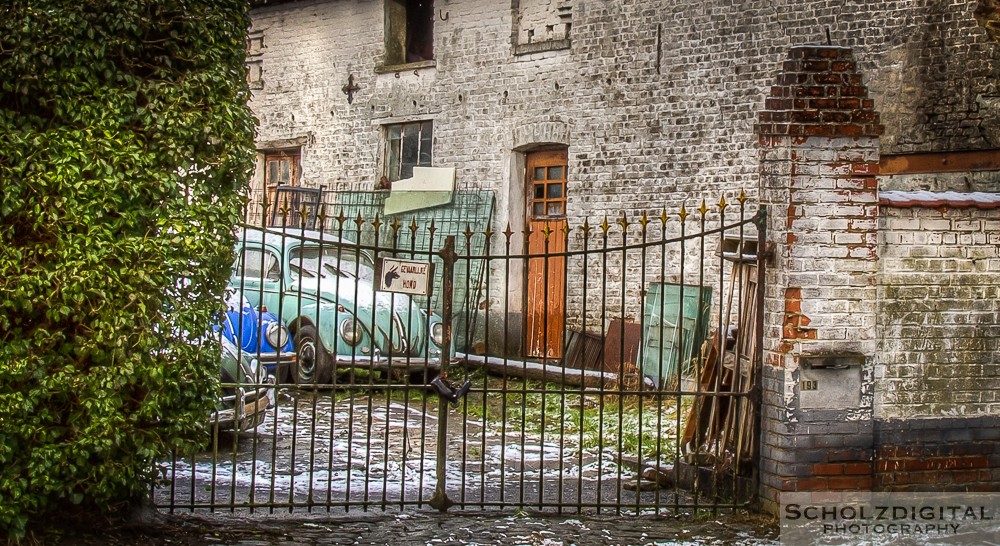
306	261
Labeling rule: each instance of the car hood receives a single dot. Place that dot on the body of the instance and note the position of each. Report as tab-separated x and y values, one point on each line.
371	307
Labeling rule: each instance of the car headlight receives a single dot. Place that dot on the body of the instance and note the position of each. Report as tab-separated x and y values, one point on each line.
277	335
350	331
437	333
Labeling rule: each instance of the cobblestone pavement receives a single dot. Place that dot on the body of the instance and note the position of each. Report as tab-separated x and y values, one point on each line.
433	529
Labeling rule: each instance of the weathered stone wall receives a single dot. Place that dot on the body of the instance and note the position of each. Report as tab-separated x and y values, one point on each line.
939	312
937	381
882	317
818	134
656	99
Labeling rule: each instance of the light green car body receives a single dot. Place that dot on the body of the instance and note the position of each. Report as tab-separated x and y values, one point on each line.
319	283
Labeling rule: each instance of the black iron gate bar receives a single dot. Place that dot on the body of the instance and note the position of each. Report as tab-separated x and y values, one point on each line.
642	393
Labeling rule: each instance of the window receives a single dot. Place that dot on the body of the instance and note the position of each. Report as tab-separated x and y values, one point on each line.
408	145
541	25
255	59
409	31
281	168
259	265
547	183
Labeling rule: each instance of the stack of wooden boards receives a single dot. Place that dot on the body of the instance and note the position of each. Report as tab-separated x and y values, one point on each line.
720	429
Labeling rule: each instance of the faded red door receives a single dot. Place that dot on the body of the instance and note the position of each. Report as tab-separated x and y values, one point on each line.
546	289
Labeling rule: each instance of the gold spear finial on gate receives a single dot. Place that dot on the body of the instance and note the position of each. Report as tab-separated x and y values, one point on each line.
284	212
623	223
321	216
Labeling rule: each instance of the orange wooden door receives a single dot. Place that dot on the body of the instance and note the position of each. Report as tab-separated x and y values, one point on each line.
281	168
546	288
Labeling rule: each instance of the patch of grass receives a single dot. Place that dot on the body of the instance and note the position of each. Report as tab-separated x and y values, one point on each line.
641	425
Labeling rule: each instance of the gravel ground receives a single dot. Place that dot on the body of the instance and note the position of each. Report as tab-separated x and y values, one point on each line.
429	529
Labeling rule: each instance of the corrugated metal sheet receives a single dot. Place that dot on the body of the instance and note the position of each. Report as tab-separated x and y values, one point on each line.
584	351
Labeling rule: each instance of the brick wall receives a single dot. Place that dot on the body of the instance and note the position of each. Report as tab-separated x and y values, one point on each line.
936	397
655	100
939	312
819	156
898	289
658	98
938	454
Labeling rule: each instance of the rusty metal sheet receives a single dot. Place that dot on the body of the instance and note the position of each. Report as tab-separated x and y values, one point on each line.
622	345
940	162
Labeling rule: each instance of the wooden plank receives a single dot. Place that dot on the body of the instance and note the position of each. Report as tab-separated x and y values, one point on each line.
584	351
546	290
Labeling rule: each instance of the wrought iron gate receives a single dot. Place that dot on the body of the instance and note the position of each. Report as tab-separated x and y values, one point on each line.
652	406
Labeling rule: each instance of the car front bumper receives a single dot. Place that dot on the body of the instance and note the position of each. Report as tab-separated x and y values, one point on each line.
273	361
387	363
246	409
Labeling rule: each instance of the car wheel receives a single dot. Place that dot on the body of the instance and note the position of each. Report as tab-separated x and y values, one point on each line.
312	363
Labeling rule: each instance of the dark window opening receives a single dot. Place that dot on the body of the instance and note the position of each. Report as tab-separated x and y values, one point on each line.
409	31
408	145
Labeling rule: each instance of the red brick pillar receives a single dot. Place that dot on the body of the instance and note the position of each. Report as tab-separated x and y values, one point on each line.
819	150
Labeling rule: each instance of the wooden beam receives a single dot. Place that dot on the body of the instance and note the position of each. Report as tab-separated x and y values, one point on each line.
940	162
535	370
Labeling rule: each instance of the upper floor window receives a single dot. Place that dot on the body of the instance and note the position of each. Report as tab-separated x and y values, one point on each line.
541	25
281	168
409	31
408	145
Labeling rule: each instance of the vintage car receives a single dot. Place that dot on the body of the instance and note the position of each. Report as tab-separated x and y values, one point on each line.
247	391
323	288
257	331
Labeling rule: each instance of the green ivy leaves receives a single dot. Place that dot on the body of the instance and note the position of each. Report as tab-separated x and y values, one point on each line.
125	141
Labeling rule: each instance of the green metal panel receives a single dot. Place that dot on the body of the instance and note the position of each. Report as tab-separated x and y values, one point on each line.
466	217
672	332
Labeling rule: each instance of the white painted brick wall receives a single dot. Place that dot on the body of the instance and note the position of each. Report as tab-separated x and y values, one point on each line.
650	126
653	135
939	313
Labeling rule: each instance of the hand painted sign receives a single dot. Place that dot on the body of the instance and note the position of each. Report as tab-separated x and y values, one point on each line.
404	276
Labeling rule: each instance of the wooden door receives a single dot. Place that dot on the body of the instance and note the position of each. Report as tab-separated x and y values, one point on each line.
546	276
281	168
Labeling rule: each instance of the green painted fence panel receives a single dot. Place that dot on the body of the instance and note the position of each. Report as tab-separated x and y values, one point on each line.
672	333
